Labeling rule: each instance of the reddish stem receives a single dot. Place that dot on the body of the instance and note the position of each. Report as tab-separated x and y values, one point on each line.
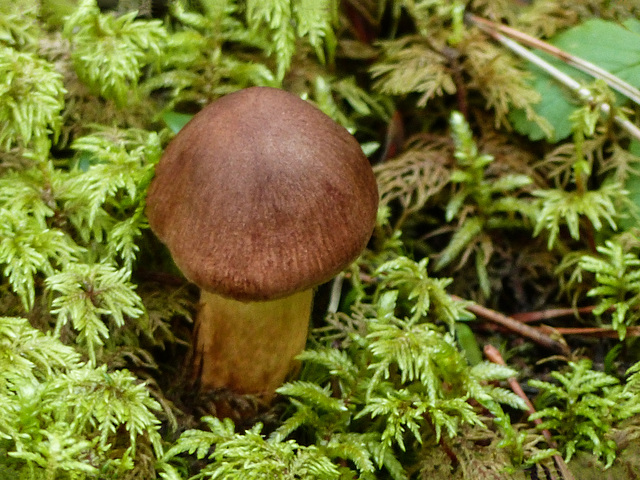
494	356
541	338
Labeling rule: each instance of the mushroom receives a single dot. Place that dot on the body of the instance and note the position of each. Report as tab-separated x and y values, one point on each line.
260	198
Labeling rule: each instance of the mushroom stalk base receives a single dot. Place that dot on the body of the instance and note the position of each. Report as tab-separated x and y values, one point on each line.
249	347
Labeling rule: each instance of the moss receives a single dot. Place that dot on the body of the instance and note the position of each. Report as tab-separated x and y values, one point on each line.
95	326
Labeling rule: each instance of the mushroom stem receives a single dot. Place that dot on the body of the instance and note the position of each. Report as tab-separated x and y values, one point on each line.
249	347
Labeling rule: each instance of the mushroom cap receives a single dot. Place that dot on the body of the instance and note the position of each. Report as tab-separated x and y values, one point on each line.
262	195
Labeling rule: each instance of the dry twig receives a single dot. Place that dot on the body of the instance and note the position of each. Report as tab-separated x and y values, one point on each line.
534	334
494	356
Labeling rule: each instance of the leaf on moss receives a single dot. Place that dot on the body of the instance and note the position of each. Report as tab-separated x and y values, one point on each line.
627	167
613	47
175	120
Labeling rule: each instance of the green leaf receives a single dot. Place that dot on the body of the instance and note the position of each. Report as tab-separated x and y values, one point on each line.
175	121
427	295
64	417
468	343
632	186
313	394
604	43
465	234
580	408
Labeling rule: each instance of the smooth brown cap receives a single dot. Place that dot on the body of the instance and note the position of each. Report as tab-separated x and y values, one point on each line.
262	195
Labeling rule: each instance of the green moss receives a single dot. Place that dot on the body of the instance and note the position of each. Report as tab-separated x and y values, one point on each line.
96	320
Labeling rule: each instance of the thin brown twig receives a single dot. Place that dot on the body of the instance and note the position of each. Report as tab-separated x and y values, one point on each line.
549	314
603	332
592	331
494	356
539	337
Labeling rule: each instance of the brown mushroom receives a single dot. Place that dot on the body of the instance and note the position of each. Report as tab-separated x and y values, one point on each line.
260	198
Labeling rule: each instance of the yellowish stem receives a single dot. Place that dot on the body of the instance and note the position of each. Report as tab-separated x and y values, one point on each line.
249	347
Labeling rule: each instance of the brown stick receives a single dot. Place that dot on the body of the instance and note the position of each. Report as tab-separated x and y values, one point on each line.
494	356
529	317
520	328
594	331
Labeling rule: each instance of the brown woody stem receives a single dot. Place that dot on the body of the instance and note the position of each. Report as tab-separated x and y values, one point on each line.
494	356
517	327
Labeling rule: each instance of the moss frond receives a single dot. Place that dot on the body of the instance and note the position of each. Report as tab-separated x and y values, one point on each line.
74	411
416	175
410	64
570	209
86	296
580	407
618	285
271	459
110	52
19	27
31	100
